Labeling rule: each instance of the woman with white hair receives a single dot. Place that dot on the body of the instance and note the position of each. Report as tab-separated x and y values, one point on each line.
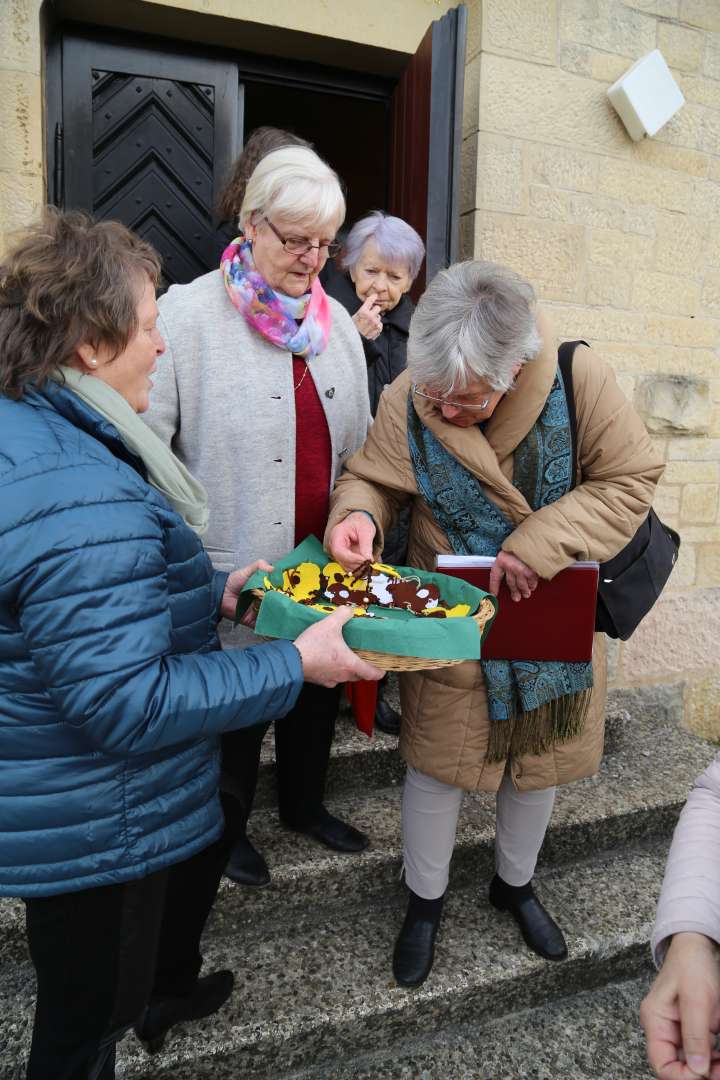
475	438
381	258
262	393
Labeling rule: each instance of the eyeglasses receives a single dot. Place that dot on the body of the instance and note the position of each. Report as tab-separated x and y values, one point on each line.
300	245
453	404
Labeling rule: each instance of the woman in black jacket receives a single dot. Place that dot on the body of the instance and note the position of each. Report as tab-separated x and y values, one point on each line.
382	256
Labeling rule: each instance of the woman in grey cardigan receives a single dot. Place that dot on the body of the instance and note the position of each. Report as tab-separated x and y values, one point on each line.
263	394
681	1014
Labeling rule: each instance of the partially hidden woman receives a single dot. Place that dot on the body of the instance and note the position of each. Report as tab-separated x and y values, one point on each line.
681	1013
113	688
263	395
380	260
475	438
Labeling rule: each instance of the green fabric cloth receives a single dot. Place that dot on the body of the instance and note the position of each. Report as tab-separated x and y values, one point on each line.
394	631
164	471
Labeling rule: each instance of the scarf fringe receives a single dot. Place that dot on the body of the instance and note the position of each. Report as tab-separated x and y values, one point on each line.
540	730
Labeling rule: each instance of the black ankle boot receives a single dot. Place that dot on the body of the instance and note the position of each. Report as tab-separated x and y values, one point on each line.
540	931
162	1013
246	865
415	946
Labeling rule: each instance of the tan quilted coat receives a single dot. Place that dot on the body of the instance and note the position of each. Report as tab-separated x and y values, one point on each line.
445	725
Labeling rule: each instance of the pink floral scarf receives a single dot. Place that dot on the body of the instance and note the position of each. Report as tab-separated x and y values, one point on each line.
273	314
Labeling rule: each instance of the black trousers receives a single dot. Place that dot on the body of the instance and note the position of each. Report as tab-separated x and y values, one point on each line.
100	954
303	740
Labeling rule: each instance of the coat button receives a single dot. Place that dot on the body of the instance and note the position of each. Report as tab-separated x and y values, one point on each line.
330	392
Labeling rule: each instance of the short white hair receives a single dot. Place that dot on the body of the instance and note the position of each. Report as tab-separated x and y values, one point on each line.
474	321
396	242
293	183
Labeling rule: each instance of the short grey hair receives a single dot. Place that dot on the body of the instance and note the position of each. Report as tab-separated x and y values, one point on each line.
296	185
396	241
474	321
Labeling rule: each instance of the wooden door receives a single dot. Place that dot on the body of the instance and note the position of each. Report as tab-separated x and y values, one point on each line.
148	136
426	140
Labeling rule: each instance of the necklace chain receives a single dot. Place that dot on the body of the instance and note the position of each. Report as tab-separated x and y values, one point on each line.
302	378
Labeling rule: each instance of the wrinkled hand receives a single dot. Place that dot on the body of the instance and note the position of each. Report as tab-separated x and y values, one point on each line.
234	586
519	578
326	659
367	318
682	1011
351	542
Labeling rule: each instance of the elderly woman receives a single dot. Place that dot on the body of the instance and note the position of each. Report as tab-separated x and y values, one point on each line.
681	1014
382	256
263	395
114	688
475	437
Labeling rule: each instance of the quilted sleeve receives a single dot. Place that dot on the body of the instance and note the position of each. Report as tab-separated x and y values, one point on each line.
690	897
89	586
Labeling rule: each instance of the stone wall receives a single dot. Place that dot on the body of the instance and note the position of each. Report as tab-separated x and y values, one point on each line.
22	185
622	241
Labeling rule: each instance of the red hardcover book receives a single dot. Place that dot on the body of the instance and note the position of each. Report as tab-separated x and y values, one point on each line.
556	622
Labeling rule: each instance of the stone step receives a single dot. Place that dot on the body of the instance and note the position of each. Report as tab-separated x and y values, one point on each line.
320	991
637	794
594	1035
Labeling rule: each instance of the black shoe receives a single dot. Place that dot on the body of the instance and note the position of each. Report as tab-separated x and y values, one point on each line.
162	1013
246	866
540	931
333	833
415	946
386	718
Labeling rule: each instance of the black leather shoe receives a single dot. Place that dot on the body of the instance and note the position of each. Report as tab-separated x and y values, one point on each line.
162	1013
540	931
386	718
333	833
246	866
415	946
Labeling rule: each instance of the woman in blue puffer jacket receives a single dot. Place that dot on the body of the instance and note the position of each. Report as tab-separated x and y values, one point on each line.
113	689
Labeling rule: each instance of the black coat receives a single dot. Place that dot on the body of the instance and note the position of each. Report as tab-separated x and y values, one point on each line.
386	356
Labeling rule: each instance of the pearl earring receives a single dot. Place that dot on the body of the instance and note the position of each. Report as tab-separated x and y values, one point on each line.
93	361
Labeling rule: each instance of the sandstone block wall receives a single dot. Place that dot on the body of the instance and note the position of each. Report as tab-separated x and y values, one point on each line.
622	241
22	185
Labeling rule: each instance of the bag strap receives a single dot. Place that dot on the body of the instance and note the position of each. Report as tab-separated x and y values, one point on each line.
565	357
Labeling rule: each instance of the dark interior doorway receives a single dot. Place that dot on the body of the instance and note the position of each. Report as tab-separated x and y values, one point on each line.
351	133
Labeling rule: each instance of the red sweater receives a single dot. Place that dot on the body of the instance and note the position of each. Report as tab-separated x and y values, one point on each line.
312	457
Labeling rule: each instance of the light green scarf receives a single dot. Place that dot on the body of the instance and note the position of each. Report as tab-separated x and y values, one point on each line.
164	471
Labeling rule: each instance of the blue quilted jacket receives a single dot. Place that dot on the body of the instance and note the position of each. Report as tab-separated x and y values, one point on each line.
113	690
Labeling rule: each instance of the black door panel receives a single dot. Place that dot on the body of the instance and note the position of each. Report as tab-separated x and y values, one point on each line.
148	139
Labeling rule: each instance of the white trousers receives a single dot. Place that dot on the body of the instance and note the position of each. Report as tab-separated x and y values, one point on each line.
430	811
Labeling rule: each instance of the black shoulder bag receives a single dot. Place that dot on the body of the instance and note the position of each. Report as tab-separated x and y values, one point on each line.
630	582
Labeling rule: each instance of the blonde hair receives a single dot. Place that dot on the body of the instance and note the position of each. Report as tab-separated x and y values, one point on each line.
293	183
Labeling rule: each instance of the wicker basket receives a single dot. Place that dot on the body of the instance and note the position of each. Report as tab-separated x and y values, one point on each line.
394	662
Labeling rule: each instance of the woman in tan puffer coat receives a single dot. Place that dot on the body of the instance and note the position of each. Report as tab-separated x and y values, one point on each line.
475	437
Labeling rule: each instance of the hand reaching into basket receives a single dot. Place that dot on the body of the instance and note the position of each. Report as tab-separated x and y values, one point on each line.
326	659
351	542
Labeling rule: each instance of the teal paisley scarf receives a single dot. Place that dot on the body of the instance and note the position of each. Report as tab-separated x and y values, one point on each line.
546	701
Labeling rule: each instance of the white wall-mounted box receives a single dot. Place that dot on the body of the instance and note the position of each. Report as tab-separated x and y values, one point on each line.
646	96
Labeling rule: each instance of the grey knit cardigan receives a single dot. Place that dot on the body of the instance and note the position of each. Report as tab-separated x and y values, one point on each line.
223	399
